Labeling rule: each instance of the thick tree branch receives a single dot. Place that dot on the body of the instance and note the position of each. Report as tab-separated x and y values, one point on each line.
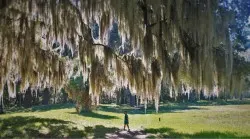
101	45
88	36
153	24
114	53
86	31
122	58
143	5
186	39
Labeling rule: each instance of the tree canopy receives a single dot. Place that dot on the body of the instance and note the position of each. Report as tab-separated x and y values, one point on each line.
178	42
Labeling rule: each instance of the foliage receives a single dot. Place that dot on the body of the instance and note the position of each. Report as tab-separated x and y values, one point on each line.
241	13
240	75
241	66
63	96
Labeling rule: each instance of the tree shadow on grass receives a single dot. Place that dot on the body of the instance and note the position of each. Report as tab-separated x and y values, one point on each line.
41	108
174	108
150	110
128	134
28	127
220	102
95	115
170	133
100	131
33	127
52	107
37	127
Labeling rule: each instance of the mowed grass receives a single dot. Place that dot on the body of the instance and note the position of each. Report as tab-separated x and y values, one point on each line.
176	120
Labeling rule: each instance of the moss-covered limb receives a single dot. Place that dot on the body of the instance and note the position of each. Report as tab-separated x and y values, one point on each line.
85	30
106	47
158	22
126	59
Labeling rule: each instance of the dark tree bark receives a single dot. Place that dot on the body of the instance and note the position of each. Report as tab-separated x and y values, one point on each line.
20	99
28	98
132	100
3	4
1	105
46	96
87	102
55	96
118	97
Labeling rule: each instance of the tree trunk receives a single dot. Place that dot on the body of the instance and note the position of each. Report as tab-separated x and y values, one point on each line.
118	97
92	99
86	104
55	96
137	101
175	95
20	99
46	96
241	97
28	98
156	105
225	95
124	98
199	95
97	100
1	105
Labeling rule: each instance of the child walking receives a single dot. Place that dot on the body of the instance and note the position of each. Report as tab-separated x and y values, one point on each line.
126	120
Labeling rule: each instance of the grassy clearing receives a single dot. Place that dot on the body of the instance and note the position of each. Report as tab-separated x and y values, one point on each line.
176	120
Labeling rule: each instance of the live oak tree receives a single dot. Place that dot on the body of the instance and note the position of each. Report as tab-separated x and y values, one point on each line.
179	42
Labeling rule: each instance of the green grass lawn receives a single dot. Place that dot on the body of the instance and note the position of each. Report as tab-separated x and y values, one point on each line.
177	120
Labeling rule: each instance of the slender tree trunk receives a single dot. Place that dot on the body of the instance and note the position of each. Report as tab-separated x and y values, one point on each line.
225	97
110	98
199	95
175	95
55	96
20	99
137	101
92	99
124	97
78	109
1	105
97	100
117	98
241	97
225	94
157	105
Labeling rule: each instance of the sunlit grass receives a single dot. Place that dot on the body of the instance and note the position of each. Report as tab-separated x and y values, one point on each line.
175	121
